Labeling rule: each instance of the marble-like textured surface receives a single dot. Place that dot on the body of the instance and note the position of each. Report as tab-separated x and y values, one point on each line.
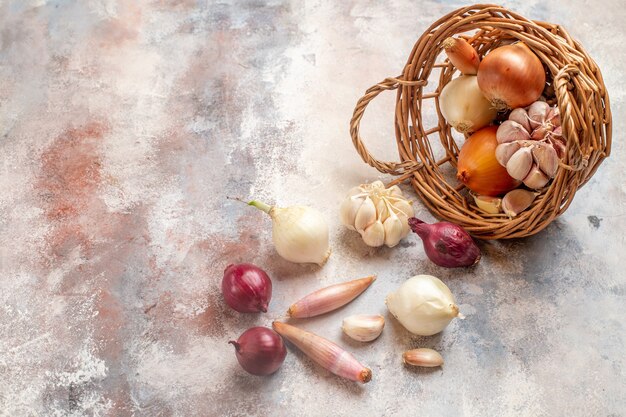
124	125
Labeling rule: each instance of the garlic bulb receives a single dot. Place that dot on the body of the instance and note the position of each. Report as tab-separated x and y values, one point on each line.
379	214
300	233
423	304
531	144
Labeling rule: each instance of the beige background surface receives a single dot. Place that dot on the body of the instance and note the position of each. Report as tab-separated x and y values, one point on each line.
124	125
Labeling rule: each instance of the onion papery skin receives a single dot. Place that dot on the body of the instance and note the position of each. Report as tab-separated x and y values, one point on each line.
478	167
511	76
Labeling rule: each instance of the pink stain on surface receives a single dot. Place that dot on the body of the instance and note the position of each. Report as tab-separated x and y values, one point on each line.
69	187
70	176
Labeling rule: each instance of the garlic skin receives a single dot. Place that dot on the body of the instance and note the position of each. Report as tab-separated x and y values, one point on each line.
362	327
379	214
423	304
300	233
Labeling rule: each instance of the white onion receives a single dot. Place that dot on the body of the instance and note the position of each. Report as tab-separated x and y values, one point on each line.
300	233
464	106
423	304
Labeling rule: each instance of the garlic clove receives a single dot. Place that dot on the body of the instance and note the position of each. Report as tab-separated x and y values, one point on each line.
510	130
403	206
546	158
554	116
362	327
541	132
516	201
366	215
520	163
349	207
520	116
558	144
491	205
405	224
422	357
538	112
393	230
535	178
374	235
382	212
504	151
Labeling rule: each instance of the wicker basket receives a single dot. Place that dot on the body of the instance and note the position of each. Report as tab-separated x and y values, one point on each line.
575	84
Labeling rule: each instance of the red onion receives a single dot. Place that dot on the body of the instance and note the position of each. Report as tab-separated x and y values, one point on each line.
260	351
246	288
446	244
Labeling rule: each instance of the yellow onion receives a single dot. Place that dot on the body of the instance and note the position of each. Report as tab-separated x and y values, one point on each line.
511	76
478	167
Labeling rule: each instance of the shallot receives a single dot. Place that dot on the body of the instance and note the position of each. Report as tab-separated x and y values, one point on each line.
246	288
329	298
325	353
462	55
446	244
260	351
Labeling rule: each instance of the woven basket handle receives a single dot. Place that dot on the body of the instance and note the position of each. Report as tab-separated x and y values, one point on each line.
572	121
393	168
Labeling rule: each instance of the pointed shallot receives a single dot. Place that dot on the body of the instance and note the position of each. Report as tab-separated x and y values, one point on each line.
462	55
329	298
325	353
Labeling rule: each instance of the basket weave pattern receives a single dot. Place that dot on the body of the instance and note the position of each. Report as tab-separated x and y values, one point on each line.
576	85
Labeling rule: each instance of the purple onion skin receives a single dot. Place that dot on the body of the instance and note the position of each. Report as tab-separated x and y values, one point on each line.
246	288
260	351
446	244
